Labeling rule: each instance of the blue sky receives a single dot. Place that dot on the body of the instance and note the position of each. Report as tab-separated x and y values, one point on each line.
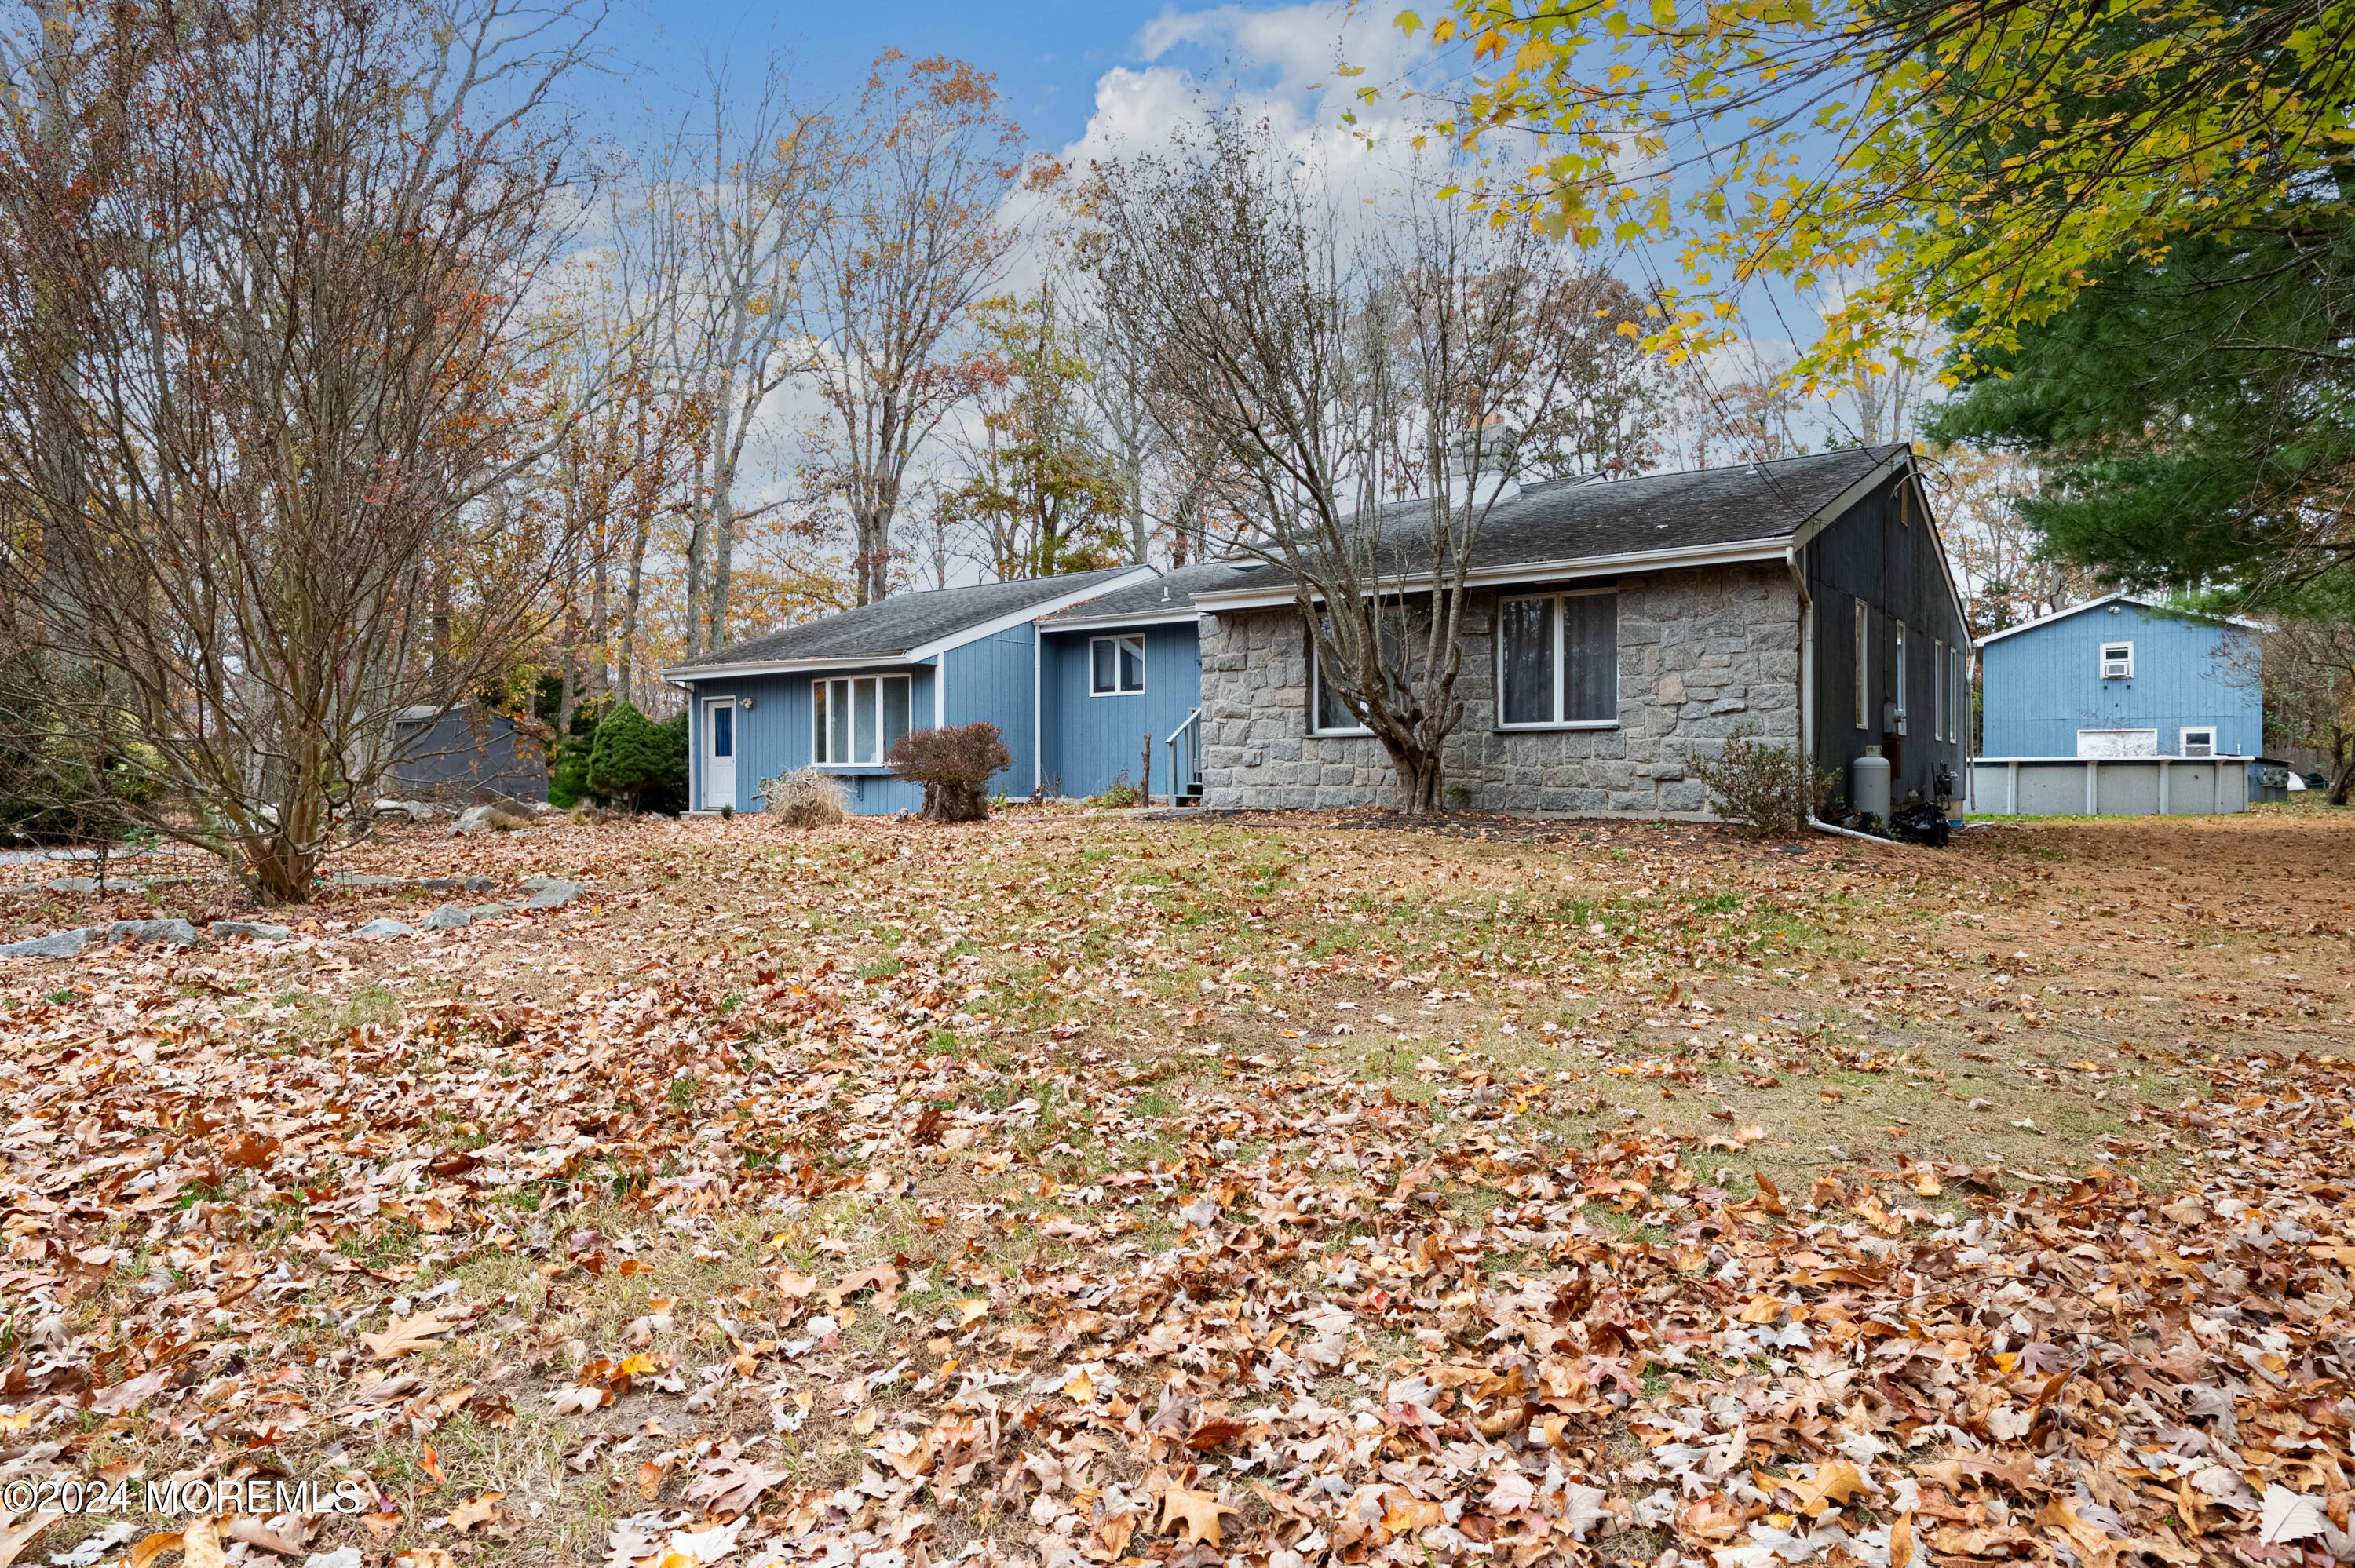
1050	55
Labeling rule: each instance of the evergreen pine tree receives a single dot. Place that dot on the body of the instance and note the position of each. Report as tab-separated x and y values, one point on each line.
630	754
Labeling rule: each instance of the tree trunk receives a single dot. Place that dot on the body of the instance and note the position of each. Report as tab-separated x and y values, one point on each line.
439	655
1419	776
2342	767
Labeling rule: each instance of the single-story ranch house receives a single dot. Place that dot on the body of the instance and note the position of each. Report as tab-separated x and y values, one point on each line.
1618	630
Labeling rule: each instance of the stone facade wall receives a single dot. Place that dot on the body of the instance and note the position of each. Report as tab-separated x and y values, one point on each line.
1701	652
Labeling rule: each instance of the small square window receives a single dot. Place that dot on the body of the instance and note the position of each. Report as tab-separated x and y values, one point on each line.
2117	661
1116	666
2199	743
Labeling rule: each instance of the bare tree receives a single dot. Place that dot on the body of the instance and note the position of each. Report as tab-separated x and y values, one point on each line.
745	192
1610	419
265	359
913	242
2008	575
1342	373
2308	680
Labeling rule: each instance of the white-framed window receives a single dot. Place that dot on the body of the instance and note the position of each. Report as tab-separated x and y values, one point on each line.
2199	741
1900	671
1962	696
1863	684
2117	661
1558	661
1938	689
1330	714
855	721
1116	666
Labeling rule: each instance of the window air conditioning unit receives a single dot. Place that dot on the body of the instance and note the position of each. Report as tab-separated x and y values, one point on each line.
2117	662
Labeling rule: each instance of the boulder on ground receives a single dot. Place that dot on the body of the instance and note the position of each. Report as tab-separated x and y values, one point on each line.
252	930
448	918
554	895
172	933
485	820
56	944
361	879
488	911
409	810
514	806
380	929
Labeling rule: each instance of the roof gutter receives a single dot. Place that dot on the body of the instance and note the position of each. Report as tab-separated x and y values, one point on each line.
1806	656
686	675
1175	616
1733	553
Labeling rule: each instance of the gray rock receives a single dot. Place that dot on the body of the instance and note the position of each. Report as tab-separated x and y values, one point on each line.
380	930
554	896
355	879
56	944
481	884
172	933
441	884
253	930
483	820
489	912
537	881
448	918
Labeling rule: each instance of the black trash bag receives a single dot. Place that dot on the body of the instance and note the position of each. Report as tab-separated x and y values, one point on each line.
1921	823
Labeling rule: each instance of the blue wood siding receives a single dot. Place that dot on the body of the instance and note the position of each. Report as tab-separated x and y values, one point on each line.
990	678
1033	688
773	738
1091	741
2043	685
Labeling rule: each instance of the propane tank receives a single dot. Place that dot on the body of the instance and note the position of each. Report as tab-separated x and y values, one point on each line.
1869	784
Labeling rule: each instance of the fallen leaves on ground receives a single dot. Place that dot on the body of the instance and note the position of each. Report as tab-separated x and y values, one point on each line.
972	1279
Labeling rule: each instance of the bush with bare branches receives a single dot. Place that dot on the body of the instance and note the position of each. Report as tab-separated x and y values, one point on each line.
1770	789
955	765
805	798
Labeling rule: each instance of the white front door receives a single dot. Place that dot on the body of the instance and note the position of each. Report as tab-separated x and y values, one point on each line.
719	753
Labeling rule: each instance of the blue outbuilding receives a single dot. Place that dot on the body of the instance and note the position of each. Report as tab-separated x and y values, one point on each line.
2163	705
1074	671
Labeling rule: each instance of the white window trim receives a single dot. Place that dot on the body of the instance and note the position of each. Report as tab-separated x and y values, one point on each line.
1899	673
1959	674
1560	662
1863	666
2183	740
2102	659
818	688
1315	680
1136	691
1938	689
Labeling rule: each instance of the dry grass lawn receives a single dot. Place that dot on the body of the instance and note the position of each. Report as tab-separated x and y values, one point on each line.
1091	1188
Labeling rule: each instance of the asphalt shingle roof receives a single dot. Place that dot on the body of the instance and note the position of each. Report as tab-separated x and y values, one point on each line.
1566	521
904	621
1171	592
